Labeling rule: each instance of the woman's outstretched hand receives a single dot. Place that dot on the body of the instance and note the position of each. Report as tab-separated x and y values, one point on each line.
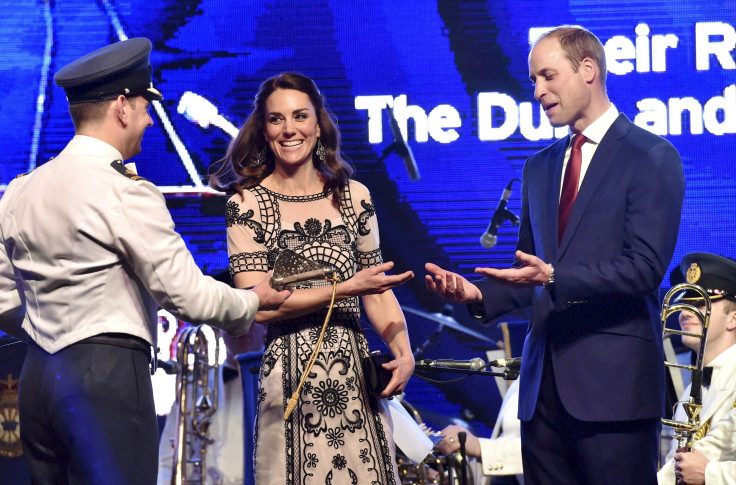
374	281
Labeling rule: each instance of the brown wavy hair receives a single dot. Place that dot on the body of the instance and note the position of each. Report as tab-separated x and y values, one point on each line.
239	161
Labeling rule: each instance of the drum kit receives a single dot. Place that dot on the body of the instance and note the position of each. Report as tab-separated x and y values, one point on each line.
443	321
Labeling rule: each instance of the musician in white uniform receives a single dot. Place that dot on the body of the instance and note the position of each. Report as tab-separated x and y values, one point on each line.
498	458
716	275
713	461
88	253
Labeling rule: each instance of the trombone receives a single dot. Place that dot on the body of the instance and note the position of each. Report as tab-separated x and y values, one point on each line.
685	431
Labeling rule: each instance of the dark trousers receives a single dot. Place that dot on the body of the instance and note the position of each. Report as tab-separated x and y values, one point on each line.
559	449
87	416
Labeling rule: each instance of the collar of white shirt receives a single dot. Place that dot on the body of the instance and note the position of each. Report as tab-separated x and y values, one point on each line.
597	129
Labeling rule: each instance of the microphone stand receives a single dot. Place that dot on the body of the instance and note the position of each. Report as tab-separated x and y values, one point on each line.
510	216
461	436
509	374
450	462
433	339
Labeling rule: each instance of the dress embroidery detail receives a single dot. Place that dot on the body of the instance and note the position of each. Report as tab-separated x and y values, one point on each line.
337	433
233	216
364	216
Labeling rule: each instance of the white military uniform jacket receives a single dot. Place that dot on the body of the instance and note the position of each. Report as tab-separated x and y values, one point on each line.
718	400
224	458
90	248
501	454
720	448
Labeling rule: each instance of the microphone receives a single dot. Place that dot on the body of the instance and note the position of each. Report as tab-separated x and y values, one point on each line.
513	363
400	147
203	112
472	364
489	238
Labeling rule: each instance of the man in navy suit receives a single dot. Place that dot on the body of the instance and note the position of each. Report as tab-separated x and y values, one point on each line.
591	255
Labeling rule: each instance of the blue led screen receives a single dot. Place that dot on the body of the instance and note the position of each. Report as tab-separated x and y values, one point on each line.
455	74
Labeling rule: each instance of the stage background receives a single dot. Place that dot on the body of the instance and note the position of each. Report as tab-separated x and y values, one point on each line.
456	75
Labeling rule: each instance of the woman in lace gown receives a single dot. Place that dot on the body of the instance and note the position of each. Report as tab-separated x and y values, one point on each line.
293	191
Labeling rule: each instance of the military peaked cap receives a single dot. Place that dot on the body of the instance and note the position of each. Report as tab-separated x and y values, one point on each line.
120	68
715	274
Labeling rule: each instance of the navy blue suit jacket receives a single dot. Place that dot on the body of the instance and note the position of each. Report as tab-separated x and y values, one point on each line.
600	322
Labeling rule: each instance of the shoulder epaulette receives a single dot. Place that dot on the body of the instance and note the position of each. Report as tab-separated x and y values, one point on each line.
23	174
118	165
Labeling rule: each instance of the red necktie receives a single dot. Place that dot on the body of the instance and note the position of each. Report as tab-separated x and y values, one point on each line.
570	185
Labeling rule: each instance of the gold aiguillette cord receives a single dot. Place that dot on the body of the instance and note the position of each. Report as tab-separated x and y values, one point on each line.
295	396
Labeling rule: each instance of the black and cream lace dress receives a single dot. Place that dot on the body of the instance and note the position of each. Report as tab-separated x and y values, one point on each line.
339	433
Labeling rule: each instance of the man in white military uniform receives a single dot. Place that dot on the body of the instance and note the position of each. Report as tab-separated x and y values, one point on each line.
717	276
719	466
500	455
88	253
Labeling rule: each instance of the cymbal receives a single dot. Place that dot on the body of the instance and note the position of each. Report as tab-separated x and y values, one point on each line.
447	321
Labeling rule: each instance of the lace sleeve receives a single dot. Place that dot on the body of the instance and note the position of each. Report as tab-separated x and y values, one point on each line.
245	235
368	239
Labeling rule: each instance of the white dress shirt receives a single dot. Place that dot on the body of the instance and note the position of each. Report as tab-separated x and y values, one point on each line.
594	133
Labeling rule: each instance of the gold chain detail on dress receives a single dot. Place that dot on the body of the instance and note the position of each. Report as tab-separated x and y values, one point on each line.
295	396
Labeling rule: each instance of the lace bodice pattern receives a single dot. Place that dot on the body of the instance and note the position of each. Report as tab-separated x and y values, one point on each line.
339	432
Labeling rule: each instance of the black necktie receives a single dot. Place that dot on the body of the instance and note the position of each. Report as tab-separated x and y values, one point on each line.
707	375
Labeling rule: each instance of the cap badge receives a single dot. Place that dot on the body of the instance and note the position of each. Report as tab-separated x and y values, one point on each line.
693	273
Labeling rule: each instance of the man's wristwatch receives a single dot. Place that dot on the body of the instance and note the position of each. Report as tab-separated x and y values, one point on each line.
551	281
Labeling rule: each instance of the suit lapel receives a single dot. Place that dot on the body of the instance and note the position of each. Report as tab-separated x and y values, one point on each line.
604	156
551	200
